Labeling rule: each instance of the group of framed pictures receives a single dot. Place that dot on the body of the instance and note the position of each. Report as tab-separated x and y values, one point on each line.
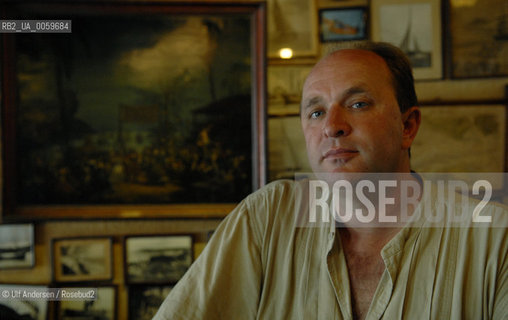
475	32
152	265
148	259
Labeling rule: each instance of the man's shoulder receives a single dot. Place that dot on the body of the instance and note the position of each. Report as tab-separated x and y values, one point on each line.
278	200
278	190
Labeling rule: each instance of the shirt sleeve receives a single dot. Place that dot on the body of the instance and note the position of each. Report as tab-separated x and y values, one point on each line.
501	300
225	281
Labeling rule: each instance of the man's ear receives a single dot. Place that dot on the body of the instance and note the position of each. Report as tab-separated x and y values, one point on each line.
411	122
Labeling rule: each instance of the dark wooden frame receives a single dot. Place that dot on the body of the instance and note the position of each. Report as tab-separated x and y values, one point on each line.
12	211
57	277
128	278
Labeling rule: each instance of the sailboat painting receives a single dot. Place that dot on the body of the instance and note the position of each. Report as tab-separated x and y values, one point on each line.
415	27
479	39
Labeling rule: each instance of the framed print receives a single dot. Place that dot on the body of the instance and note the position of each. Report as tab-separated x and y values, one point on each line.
157	259
104	307
465	138
144	301
82	259
288	151
36	309
478	38
292	24
143	110
16	246
343	24
415	27
285	83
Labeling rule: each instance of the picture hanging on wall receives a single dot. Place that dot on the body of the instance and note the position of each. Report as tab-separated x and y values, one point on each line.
415	27
144	301
145	110
479	38
157	259
465	138
82	259
103	307
15	308
292	24
343	24
16	246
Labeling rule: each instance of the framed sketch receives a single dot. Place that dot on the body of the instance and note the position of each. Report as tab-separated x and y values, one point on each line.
465	138
144	110
16	246
144	301
292	24
104	307
36	309
415	27
288	153
157	259
343	24
285	83
82	259
479	38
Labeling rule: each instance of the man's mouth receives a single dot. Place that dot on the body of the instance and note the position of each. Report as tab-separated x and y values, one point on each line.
339	154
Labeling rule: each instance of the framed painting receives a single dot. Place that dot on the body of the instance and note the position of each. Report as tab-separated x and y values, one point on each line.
82	259
104	307
145	301
144	110
160	259
16	246
478	38
415	27
465	138
343	24
292	24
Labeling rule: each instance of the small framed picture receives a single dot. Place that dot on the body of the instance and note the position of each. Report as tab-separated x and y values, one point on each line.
104	307
16	246
157	259
82	259
16	308
144	301
415	27
343	24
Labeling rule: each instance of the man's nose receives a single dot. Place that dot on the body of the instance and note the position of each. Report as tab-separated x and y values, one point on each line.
337	124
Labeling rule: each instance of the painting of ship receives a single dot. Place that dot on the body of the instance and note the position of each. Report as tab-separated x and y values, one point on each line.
409	44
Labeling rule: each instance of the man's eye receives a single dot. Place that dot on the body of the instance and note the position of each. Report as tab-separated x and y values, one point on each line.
359	105
316	114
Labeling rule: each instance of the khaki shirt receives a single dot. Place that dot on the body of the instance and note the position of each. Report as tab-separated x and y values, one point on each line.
261	264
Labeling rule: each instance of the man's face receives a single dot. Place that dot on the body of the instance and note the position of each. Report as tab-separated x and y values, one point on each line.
350	116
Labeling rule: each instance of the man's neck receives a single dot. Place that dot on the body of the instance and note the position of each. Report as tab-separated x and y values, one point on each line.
366	241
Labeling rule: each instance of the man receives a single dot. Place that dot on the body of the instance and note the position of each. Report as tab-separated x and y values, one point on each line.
359	115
